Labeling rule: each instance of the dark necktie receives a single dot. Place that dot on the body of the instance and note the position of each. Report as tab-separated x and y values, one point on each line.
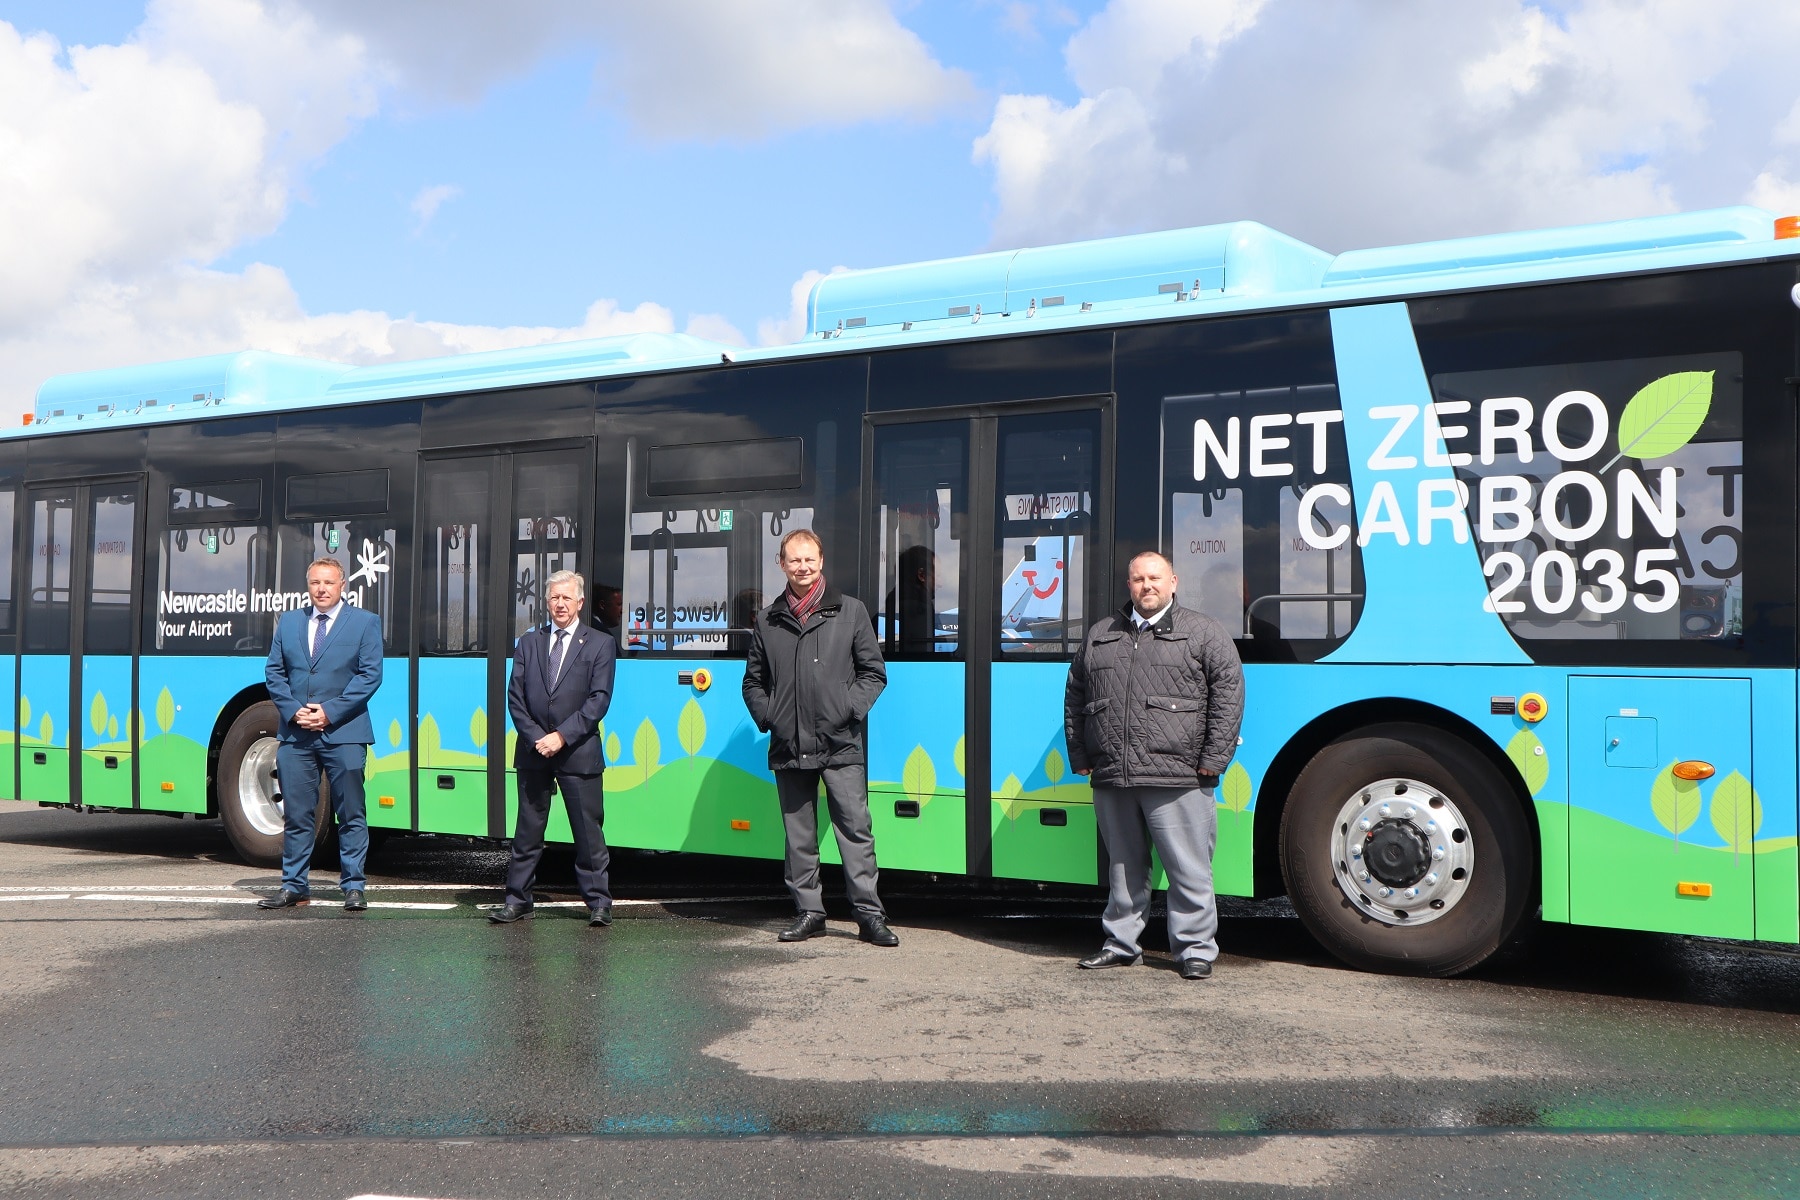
319	636
556	655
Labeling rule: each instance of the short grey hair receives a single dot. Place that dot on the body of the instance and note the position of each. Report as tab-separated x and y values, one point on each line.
573	577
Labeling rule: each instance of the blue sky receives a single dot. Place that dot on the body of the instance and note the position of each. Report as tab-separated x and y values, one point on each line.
373	182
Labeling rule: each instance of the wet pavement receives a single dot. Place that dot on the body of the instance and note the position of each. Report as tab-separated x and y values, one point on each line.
163	1036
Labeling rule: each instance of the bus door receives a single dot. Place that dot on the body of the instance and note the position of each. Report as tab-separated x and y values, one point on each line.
983	538
492	528
78	726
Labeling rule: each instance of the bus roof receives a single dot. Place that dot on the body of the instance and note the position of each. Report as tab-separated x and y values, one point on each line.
1138	278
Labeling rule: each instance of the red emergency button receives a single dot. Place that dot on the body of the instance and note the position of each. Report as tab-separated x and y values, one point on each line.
1533	707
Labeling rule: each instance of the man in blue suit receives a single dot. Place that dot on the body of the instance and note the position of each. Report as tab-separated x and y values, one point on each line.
562	682
322	670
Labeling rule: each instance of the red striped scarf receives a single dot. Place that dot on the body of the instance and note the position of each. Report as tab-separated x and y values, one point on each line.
805	606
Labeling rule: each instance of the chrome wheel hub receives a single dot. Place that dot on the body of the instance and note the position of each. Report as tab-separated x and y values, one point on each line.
1401	852
258	795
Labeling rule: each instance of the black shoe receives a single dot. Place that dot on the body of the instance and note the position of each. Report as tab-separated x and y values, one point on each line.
1196	968
806	925
512	912
354	902
284	899
600	916
875	932
1107	958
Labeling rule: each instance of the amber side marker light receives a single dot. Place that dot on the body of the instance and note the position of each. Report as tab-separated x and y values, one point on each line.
1702	890
385	802
740	824
167	786
1787	227
1692	769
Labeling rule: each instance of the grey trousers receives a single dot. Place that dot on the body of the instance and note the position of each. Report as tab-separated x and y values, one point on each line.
1183	823
847	795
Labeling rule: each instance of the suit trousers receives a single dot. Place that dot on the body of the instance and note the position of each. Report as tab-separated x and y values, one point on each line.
584	798
300	768
1183	824
847	796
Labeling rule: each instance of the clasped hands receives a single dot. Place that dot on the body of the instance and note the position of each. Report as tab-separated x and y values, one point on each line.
549	744
312	717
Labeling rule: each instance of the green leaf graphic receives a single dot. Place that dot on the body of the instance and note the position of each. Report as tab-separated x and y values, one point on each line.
690	728
165	711
614	747
1676	802
478	729
112	728
956	756
646	747
1737	812
24	712
1010	787
394	734
97	713
429	739
1665	415
1053	767
46	729
1527	754
918	778
1235	790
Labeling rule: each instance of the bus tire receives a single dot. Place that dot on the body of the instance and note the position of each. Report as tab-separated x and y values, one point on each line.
1404	851
247	789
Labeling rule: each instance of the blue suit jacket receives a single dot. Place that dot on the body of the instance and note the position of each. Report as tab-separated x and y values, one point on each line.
343	680
572	708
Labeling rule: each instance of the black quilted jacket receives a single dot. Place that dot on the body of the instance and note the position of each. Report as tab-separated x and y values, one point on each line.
810	689
1156	709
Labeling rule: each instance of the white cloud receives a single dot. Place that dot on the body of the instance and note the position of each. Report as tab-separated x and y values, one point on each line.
1358	122
783	331
425	205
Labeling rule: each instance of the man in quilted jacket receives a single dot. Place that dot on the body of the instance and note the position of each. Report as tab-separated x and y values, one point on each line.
1151	713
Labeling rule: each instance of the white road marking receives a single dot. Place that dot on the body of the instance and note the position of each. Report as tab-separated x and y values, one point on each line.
404	904
44	896
142	899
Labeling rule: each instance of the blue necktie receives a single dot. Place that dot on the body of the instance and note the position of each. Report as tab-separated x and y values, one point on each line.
319	636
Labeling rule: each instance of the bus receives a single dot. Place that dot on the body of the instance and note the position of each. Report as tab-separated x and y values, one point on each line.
1504	528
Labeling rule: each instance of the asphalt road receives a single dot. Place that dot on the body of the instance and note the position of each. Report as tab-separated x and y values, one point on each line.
162	1036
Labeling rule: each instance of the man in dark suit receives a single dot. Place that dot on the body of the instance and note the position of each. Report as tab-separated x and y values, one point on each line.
562	681
322	670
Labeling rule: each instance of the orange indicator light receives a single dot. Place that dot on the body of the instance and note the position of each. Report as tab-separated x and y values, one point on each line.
1692	769
386	801
167	786
1533	707
1702	890
740	824
1787	227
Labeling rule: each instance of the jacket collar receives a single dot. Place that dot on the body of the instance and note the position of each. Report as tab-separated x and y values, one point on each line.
1128	616
829	604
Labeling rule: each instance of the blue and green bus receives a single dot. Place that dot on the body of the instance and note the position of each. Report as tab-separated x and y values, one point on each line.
1504	528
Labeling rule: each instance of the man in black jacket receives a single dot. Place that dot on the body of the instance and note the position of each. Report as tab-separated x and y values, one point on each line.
814	672
1151	714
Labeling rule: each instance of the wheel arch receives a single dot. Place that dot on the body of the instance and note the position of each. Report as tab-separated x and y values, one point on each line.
1284	770
228	715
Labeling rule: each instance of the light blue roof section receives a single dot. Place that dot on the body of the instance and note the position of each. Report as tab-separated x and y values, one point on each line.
1240	267
188	384
1644	234
526	366
1238	259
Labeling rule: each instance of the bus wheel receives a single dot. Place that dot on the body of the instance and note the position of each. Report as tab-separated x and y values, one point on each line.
250	802
1404	851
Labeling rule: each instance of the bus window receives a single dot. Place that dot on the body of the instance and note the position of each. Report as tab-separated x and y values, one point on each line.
213	571
920	512
546	533
696	577
1045	521
52	564
9	500
341	515
1606	498
1256	511
453	531
113	552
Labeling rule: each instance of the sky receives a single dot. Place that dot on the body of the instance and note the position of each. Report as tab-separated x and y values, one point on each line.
371	182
